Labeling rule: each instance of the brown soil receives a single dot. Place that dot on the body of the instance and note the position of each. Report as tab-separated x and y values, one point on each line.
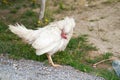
102	24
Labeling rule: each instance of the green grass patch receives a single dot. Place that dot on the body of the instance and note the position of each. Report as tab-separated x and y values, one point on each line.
108	75
29	19
7	4
107	55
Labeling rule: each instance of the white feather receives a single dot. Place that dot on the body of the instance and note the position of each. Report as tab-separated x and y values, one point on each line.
47	39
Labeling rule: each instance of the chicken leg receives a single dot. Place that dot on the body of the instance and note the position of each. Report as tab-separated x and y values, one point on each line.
51	61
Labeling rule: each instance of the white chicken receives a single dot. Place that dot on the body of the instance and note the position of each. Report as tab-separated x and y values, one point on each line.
49	39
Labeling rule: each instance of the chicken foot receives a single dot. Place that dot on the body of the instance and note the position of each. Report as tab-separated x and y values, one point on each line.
51	61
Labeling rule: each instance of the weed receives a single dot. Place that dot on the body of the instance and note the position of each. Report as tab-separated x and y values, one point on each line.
61	6
93	20
110	1
28	13
3	27
29	19
34	4
13	11
48	17
55	3
107	55
25	5
17	7
93	61
108	75
5	2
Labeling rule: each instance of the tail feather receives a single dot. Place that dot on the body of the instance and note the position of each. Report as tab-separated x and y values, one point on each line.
19	30
22	32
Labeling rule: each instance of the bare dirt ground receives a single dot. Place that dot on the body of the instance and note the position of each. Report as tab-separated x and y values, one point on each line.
101	22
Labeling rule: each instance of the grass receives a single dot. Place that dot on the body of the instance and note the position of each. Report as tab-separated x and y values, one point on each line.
110	1
107	55
108	75
61	5
74	55
13	11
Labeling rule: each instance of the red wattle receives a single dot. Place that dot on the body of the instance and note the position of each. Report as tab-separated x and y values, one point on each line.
63	35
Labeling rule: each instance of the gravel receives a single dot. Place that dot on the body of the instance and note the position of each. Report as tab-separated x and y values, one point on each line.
32	70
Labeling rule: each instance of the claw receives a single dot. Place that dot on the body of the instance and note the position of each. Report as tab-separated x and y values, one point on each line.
56	65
